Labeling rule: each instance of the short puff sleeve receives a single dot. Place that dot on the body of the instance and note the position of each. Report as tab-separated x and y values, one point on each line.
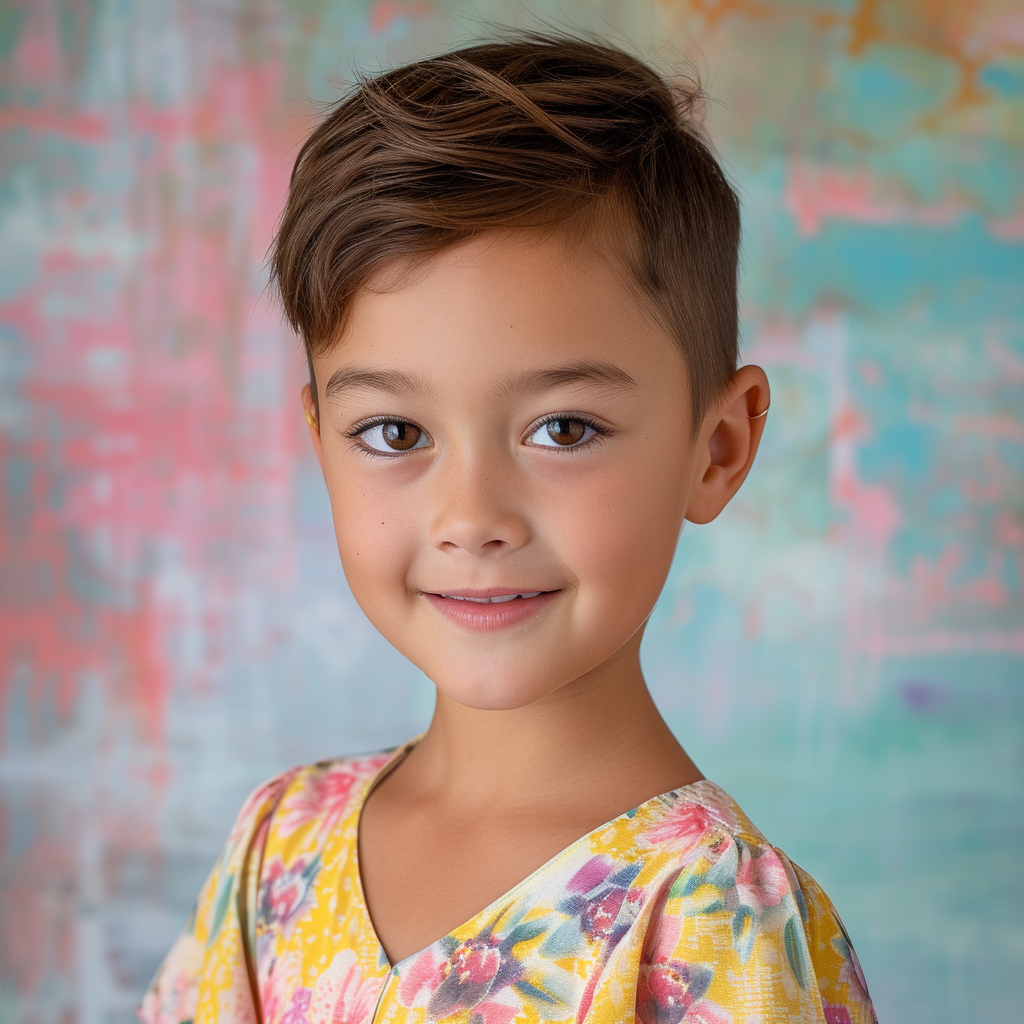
206	976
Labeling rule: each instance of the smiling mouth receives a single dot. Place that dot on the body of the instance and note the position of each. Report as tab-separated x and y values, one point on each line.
491	609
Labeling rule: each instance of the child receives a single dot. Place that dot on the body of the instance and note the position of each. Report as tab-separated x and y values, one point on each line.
514	271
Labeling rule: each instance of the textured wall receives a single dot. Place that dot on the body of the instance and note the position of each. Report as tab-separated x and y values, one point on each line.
843	650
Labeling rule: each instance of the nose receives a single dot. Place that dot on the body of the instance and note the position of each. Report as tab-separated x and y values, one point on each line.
478	507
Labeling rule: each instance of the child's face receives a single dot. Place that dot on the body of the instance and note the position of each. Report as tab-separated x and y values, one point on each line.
507	423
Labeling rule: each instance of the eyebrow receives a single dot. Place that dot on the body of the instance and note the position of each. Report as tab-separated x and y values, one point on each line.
400	383
593	374
355	378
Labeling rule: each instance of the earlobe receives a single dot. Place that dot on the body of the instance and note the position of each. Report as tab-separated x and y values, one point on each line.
731	436
313	422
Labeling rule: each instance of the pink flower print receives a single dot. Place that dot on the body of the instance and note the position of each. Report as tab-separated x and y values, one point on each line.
284	891
591	875
475	962
278	988
424	974
298	1012
342	995
467	976
761	880
688	823
264	795
605	889
668	990
322	798
836	1014
663	937
599	915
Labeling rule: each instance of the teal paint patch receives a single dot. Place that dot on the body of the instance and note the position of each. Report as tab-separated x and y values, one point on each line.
1006	77
883	92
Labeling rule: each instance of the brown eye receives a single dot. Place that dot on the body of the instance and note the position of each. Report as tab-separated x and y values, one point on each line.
400	436
390	437
568	432
565	432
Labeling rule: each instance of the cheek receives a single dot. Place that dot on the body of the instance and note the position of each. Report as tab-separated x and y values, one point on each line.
622	534
375	539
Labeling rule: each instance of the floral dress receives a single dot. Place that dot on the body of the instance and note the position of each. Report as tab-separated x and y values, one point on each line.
676	912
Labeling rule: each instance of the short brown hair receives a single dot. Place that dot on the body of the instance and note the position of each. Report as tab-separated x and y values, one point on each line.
535	131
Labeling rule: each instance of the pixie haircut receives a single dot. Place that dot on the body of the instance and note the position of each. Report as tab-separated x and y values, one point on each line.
539	132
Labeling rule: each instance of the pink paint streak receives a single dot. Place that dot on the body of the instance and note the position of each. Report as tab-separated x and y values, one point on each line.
1011	228
816	193
147	459
385	13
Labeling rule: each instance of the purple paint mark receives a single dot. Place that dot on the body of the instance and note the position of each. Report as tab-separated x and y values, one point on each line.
922	695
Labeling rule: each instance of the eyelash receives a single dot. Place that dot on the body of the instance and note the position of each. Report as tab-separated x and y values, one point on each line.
600	432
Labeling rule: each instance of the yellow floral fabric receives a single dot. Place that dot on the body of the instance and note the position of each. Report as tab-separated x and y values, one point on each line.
676	912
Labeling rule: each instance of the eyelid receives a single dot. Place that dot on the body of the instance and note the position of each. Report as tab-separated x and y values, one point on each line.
375	421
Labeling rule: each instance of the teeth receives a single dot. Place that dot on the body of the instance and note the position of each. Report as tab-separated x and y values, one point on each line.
493	600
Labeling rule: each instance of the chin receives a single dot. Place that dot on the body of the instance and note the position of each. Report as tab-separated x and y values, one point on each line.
494	691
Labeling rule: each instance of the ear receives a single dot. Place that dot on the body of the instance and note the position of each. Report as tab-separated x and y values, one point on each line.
728	441
313	422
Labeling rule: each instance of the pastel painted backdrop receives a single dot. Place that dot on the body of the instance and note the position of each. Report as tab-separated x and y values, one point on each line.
843	650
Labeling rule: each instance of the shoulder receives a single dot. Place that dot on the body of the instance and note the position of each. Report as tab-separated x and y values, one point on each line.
295	806
697	820
311	795
712	857
305	793
724	886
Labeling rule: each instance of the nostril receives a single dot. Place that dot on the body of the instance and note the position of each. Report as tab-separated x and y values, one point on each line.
478	524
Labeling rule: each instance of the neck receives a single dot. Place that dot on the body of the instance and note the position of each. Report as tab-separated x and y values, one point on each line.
603	725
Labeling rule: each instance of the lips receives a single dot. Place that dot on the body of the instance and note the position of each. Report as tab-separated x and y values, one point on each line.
496	608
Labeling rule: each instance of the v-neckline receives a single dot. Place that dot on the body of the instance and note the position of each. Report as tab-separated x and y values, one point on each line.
399	755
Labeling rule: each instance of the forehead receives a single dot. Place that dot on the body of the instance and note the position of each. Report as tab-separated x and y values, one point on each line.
498	304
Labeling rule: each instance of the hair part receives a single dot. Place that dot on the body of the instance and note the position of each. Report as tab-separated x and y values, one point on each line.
538	132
